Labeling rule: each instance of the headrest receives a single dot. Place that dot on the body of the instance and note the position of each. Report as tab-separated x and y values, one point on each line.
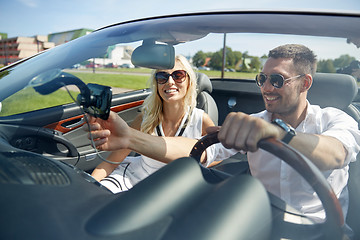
203	83
332	90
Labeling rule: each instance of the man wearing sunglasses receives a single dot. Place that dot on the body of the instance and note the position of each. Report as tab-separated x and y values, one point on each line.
328	137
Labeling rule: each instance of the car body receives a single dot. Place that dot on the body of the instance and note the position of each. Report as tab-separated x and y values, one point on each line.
46	156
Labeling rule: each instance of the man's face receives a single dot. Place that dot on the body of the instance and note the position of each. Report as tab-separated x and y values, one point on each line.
283	101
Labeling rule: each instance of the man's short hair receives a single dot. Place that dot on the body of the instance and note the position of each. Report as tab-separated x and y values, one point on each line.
304	59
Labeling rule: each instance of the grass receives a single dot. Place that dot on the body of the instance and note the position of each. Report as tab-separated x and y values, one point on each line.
121	78
115	80
237	75
127	71
30	101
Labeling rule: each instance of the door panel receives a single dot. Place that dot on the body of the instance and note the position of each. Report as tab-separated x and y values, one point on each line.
127	106
64	124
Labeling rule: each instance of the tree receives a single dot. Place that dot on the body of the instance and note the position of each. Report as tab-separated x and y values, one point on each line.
216	60
245	54
199	59
343	61
238	57
326	66
255	64
231	58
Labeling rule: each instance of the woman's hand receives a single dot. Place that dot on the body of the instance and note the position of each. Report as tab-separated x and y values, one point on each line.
109	135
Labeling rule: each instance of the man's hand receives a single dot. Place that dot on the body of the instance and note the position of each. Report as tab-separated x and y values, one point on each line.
111	134
243	132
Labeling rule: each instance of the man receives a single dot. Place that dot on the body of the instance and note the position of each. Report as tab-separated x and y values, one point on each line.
328	137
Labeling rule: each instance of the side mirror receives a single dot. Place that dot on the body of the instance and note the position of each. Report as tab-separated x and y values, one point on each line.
155	56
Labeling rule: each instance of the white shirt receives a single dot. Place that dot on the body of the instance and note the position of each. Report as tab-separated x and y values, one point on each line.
134	169
193	130
283	181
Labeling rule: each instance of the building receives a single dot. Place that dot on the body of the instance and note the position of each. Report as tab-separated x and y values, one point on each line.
16	48
116	56
63	37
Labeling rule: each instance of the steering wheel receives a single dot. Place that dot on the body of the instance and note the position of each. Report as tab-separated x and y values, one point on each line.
26	138
334	216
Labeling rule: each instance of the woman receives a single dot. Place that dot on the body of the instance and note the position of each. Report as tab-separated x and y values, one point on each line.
168	111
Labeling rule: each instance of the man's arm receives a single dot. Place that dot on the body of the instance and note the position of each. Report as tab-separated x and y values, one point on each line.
243	132
324	151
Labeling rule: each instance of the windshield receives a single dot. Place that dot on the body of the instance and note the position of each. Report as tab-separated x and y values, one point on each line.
104	56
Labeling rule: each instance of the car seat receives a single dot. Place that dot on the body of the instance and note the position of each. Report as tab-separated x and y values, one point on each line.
339	91
335	90
204	100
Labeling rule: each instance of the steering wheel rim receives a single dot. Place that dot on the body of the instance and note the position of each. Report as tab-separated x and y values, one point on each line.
301	164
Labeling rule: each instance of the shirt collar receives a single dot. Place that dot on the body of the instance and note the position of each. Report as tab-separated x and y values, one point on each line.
310	114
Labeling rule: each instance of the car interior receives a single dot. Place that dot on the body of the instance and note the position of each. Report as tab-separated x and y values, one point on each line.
46	157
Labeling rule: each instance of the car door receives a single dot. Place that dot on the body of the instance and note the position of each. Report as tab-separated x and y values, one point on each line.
58	130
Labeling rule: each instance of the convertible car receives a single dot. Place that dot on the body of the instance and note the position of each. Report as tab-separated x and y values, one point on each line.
46	156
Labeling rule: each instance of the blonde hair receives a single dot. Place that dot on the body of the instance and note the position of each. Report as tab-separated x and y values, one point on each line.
152	109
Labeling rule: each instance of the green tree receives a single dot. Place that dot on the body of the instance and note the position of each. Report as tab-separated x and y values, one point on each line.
238	57
255	64
326	66
343	61
230	58
199	58
216	60
245	54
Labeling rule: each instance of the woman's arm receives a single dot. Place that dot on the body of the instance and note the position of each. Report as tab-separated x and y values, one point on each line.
104	169
206	122
114	134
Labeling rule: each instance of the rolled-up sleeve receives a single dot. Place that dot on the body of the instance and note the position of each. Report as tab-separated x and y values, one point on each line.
217	152
345	129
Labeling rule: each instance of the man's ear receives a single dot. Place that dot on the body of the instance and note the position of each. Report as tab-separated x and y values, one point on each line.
307	82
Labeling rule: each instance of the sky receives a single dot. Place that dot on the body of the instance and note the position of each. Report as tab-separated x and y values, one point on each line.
42	17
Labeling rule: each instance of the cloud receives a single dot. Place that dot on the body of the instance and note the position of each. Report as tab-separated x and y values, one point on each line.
29	3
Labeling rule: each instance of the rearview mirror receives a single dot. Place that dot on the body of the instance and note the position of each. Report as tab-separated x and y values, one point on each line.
155	56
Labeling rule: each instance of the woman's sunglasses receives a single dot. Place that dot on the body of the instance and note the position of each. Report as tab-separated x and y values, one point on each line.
277	80
178	76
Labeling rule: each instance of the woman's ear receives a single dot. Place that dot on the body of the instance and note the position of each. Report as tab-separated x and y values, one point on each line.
307	82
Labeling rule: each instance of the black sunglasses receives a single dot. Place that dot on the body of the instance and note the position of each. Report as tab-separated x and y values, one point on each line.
277	80
178	76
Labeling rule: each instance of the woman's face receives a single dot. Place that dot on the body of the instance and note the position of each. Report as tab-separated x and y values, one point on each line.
174	90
